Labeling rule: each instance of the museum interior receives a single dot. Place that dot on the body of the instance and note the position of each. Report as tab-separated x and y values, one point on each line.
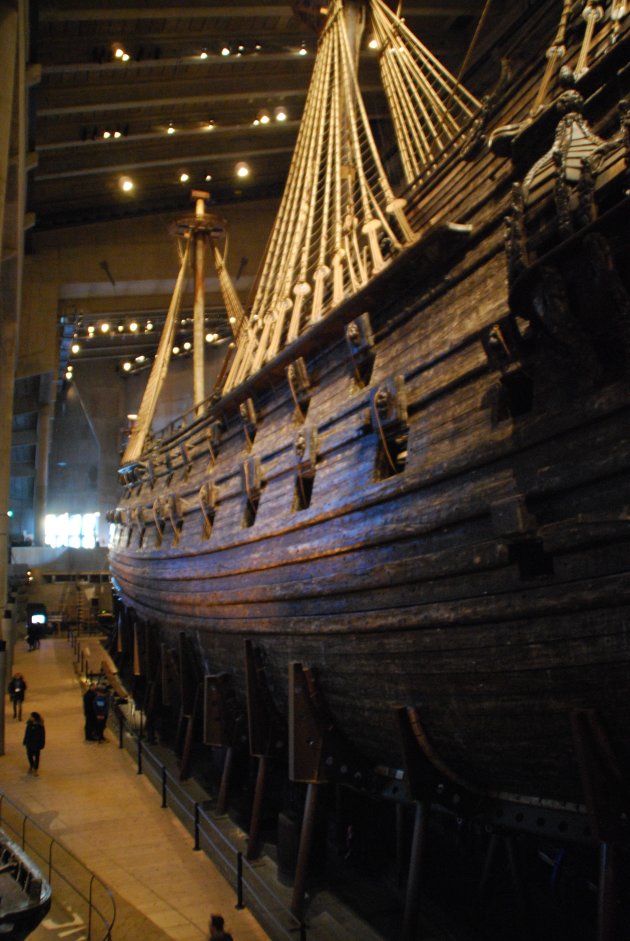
357	564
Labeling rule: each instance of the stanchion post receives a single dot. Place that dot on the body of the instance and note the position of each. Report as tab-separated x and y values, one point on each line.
239	880
163	785
139	756
197	847
120	728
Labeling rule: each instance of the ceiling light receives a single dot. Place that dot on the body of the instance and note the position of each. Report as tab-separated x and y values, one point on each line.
187	345
170	129
211	337
280	113
302	51
373	43
241	169
184	177
149	325
125	57
255	122
141	358
264	117
106	135
208	177
119	52
210	126
175	350
133	326
117	134
75	348
126	366
225	51
132	416
203	54
105	327
126	184
90	330
257	47
68	375
121	327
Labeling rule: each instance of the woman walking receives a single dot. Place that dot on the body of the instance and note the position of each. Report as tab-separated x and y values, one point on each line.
34	741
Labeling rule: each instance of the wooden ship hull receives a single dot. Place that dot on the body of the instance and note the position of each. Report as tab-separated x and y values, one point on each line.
448	548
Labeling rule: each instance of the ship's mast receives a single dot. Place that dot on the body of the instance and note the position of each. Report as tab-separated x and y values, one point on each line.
341	221
200	238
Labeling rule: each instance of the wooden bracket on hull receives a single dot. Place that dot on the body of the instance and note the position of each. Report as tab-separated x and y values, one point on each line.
360	342
247	411
389	418
318	753
606	791
213	440
267	735
429	778
299	386
504	349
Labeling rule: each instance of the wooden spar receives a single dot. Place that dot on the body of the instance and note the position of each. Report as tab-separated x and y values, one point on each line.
199	236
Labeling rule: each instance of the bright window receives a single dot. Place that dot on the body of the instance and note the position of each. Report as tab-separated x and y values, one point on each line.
76	530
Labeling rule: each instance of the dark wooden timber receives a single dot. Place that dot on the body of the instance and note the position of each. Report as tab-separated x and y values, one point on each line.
476	572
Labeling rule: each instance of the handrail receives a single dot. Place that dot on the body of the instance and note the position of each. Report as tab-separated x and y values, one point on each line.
207	836
29	845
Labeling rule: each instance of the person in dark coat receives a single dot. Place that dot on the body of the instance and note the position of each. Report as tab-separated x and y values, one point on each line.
88	710
101	709
217	929
17	690
34	741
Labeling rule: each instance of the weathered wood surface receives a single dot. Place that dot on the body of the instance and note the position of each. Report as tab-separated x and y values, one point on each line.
487	584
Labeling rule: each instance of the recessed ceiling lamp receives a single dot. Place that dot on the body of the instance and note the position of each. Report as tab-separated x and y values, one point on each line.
90	330
75	348
170	129
280	113
117	134
187	345
208	177
149	326
126	366
184	177
133	326
126	184
225	51
69	374
106	135
264	116
302	51
175	350
241	169
105	327
203	54
210	126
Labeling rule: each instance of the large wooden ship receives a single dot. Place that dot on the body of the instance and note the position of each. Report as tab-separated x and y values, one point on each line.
402	515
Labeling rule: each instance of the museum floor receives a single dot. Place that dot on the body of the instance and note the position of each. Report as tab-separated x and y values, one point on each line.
90	798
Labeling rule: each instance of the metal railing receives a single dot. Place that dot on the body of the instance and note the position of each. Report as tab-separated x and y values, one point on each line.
251	890
249	886
81	890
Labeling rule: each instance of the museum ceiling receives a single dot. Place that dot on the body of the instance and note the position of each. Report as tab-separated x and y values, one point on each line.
162	97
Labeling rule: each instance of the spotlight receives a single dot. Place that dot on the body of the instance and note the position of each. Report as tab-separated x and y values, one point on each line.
75	348
241	169
106	135
280	113
170	129
133	326
187	345
184	177
175	350
126	184
105	327
208	177
203	54
225	51
264	117
302	51
373	43
126	366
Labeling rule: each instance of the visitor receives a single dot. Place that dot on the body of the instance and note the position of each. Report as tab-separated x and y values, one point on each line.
17	689
88	710
217	930
101	710
34	741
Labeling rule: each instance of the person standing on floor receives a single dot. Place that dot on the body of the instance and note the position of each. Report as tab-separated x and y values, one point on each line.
217	929
101	709
34	741
17	690
88	709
